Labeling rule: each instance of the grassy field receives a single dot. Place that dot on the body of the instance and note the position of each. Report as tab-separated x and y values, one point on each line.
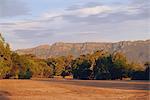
51	89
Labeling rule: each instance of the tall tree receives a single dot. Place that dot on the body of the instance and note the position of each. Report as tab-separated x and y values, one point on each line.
5	58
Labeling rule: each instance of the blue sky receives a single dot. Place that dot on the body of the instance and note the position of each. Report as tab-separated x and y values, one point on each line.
29	23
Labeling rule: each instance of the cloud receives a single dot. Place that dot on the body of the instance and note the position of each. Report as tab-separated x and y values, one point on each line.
85	5
102	13
83	12
96	12
83	22
30	34
12	8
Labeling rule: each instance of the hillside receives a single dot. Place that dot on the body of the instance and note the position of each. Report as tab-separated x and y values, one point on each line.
137	51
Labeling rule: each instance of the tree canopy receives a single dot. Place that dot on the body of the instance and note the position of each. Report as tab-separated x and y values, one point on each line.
99	65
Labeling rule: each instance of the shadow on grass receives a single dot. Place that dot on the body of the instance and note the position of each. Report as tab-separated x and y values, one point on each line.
125	85
4	95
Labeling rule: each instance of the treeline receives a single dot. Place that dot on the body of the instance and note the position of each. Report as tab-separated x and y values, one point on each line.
100	66
17	66
104	66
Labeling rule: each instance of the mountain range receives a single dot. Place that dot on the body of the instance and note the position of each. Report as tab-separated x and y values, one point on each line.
136	51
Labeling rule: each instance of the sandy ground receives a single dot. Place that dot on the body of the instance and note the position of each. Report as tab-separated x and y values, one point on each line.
73	90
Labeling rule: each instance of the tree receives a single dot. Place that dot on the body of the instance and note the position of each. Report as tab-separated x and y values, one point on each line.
102	68
120	66
60	64
28	74
98	65
51	62
141	74
67	71
5	58
38	67
147	70
82	67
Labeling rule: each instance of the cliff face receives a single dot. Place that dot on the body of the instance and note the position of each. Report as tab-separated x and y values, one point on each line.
137	51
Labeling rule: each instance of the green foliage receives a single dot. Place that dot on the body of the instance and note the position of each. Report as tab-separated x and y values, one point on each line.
119	69
5	58
4	69
60	64
38	67
82	67
99	65
28	74
142	74
111	67
57	64
147	74
102	68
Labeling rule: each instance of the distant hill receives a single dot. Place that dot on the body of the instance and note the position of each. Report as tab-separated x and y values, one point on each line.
137	51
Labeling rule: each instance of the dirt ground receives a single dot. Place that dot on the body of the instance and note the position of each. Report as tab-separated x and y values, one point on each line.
51	89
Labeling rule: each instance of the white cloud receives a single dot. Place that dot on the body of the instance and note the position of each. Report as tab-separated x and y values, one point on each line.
92	10
102	22
50	14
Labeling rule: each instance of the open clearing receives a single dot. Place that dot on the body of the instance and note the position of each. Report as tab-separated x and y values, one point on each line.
52	89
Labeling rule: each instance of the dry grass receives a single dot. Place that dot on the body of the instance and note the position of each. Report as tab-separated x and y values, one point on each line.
45	90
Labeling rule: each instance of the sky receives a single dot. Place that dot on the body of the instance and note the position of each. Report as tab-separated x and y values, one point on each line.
29	23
